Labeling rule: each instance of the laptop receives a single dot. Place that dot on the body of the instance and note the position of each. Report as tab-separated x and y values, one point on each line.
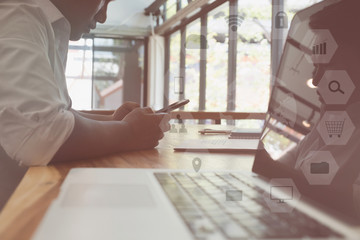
271	202
112	203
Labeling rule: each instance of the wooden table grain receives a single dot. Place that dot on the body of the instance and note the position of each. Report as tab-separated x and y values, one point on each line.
40	186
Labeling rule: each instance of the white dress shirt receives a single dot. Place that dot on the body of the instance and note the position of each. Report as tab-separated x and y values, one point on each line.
34	103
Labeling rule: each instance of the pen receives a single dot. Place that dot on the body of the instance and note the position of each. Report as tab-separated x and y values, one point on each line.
206	130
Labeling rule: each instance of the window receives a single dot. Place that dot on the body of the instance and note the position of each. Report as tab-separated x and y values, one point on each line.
175	88
79	73
238	54
217	68
102	73
192	66
217	59
253	56
171	8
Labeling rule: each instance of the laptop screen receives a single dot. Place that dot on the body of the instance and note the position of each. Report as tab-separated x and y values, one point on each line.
293	115
278	138
294	106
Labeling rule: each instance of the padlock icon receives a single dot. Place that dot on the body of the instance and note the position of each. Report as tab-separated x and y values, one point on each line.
281	20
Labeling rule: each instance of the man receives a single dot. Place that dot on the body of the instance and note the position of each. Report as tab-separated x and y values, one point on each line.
37	123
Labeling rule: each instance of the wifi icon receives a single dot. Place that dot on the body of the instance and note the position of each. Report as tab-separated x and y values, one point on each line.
234	21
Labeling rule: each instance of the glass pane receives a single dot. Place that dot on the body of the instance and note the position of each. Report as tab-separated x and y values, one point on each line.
170	8
118	72
253	55
217	59
293	6
174	68
78	73
184	3
192	65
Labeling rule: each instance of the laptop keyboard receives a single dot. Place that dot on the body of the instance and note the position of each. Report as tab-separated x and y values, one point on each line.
224	205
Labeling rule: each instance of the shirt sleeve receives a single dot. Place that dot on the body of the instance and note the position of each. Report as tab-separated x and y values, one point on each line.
34	119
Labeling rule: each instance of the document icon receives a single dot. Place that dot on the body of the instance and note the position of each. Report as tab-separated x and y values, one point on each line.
319	168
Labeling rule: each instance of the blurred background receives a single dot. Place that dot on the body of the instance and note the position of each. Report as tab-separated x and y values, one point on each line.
219	55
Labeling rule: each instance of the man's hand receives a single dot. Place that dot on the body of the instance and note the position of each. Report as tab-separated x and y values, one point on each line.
147	127
124	110
140	129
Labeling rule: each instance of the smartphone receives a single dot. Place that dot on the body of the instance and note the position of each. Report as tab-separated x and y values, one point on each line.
173	106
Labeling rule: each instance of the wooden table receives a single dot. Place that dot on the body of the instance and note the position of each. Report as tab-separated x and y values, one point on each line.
26	207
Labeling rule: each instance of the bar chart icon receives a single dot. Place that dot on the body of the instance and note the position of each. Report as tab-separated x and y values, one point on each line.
319	49
322	46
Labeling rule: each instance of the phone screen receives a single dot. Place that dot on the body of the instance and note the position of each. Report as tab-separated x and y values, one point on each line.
173	106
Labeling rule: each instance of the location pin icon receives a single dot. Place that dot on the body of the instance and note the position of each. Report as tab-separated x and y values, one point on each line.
196	164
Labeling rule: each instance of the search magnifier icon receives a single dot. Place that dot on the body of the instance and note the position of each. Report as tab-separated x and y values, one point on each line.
334	86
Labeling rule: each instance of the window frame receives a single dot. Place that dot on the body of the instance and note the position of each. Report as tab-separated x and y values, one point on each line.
93	48
275	52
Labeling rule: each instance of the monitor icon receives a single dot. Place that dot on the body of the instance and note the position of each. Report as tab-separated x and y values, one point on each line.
281	193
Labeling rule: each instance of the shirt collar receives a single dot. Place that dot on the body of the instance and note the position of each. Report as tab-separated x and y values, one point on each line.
51	12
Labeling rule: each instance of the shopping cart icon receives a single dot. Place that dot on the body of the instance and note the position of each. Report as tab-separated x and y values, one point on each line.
335	127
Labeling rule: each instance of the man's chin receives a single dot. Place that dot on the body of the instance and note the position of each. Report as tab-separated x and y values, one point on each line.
75	36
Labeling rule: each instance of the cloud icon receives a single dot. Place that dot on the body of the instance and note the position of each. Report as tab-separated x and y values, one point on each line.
196	41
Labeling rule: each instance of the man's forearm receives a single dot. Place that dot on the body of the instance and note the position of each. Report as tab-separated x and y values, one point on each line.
98	117
92	138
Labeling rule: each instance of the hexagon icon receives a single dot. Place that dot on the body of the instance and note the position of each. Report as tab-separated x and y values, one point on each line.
336	87
181	118
282	196
335	127
319	167
322	45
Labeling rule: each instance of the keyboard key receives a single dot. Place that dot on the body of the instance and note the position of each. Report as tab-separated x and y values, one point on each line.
232	230
164	178
202	228
242	216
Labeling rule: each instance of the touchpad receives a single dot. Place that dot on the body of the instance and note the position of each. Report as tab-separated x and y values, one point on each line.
107	195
